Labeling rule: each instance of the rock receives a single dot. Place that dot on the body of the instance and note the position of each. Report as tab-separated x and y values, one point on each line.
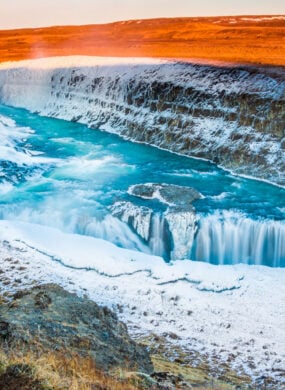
137	217
42	300
183	226
4	329
169	381
170	194
55	319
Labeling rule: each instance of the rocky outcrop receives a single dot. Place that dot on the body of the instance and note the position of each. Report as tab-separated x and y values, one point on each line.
172	195
46	335
137	217
50	317
232	116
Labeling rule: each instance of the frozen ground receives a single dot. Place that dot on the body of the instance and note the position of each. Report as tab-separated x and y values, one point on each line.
229	313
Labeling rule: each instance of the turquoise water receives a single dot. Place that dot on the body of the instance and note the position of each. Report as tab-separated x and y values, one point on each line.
73	174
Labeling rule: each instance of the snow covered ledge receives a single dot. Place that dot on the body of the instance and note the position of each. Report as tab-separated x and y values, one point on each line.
224	313
232	116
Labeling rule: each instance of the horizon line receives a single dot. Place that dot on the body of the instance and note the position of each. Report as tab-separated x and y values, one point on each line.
142	19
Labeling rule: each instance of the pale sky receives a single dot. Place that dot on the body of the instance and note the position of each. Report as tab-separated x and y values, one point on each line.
36	13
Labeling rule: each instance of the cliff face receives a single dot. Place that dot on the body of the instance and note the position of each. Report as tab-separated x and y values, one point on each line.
232	116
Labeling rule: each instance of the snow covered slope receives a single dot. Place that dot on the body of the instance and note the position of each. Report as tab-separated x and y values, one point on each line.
231	314
233	116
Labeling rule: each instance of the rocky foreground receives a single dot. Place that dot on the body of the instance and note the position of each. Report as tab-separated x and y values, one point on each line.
46	325
196	319
58	320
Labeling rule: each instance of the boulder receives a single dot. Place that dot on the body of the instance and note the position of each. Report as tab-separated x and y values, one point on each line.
54	319
170	194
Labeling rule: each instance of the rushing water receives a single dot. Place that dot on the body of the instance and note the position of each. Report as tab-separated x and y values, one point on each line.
66	175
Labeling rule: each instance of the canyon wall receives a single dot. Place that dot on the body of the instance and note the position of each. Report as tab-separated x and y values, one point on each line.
234	116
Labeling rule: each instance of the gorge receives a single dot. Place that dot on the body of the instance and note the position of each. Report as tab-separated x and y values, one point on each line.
135	196
232	116
156	188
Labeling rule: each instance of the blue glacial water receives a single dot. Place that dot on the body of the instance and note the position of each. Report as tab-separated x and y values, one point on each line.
65	175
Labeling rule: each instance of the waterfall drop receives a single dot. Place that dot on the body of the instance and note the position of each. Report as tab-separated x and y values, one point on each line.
230	238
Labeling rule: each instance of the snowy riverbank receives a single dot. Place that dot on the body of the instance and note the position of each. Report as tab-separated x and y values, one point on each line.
227	313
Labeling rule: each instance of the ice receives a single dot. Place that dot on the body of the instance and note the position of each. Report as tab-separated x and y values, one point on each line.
183	226
139	218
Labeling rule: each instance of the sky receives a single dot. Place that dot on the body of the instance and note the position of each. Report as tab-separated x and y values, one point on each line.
40	13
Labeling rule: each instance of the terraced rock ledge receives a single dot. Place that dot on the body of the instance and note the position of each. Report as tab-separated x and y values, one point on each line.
232	115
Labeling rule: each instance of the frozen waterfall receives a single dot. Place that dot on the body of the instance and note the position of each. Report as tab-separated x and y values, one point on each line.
227	238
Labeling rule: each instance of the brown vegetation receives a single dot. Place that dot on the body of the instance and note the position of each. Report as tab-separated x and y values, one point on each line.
38	352
55	371
23	369
227	39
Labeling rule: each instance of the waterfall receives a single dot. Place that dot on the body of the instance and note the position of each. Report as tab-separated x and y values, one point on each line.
159	241
225	237
230	238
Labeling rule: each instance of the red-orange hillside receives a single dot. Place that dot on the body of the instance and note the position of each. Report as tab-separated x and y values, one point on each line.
259	40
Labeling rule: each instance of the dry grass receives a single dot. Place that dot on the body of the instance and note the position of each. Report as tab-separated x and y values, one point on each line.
211	39
62	371
58	371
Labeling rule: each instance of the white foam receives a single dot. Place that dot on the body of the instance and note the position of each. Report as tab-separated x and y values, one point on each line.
10	136
5	188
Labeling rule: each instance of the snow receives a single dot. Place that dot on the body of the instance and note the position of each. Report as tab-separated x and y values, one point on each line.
234	20
264	18
214	310
79	61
